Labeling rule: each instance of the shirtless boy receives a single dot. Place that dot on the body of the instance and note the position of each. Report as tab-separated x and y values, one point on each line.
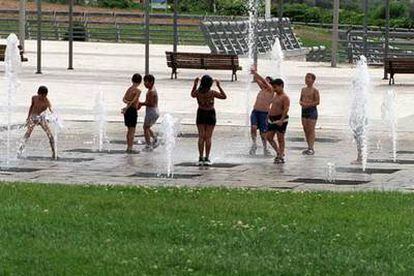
309	100
278	120
131	99
151	112
36	116
258	117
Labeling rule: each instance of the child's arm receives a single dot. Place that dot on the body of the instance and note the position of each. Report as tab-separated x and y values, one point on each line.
316	100
222	95
49	106
263	84
300	100
149	100
194	89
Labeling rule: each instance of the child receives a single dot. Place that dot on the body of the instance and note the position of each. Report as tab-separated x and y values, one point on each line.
36	116
309	100
151	112
131	98
278	120
206	114
258	117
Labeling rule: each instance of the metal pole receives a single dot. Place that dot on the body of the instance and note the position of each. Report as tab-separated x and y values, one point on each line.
175	26
256	14
147	35
280	11
387	35
22	23
365	36
335	33
39	36
70	38
268	9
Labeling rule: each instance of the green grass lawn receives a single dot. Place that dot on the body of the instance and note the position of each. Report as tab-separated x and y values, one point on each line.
73	230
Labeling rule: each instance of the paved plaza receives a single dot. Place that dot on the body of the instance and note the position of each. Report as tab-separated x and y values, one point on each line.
108	68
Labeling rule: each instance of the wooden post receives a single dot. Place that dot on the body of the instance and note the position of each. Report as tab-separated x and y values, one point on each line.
365	36
335	33
70	38
268	9
22	23
39	36
175	26
147	35
387	35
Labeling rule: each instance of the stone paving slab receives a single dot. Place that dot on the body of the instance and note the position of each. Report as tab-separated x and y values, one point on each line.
234	167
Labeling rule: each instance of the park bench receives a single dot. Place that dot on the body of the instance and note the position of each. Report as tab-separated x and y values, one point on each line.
203	61
3	53
402	65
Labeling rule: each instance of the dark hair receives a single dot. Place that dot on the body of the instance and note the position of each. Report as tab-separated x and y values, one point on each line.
278	82
205	84
269	79
149	78
136	78
312	75
42	90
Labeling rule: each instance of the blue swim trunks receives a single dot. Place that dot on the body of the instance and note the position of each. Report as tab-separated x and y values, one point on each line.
259	119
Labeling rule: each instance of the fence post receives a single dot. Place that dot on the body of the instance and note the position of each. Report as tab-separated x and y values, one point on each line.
39	36
147	35
70	38
335	33
387	35
22	23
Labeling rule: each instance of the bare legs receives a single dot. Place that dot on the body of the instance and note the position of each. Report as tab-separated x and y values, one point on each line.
205	132
46	129
279	147
253	134
130	138
309	129
148	133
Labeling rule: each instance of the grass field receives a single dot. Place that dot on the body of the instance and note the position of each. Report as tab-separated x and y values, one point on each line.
72	230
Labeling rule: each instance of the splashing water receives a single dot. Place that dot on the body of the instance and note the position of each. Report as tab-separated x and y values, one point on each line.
388	112
100	119
12	64
251	42
277	57
170	129
358	118
330	173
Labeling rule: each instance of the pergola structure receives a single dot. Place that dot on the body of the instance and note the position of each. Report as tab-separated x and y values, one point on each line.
22	31
22	24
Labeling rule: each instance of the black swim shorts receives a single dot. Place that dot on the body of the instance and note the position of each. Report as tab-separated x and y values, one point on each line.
130	117
310	113
206	117
275	127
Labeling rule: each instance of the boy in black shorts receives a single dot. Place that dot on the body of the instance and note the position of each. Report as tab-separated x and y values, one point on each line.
131	99
278	120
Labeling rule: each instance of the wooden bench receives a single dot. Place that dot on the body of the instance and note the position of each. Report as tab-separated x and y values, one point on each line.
3	53
402	65
203	61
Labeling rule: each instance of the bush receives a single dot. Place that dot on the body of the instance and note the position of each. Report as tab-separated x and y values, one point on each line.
232	7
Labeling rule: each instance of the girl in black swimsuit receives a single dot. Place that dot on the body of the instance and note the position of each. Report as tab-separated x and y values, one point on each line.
206	114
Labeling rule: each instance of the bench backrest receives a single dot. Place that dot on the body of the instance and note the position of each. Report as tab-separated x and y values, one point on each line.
402	65
202	60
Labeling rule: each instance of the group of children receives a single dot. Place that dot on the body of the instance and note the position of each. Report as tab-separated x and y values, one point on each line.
269	115
130	111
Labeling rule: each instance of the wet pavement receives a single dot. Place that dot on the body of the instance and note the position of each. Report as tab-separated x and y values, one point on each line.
105	67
